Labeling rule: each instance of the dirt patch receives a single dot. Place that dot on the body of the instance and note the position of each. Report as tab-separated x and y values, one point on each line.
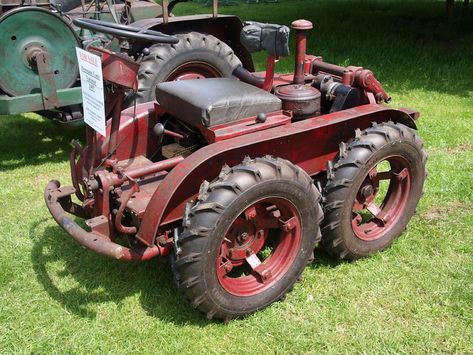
436	212
460	149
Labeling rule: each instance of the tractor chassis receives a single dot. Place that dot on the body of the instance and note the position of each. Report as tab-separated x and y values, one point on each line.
177	180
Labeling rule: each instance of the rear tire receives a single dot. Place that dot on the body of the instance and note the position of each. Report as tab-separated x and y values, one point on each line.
197	55
239	219
361	215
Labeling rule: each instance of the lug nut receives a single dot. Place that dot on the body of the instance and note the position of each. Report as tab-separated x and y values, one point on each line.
367	191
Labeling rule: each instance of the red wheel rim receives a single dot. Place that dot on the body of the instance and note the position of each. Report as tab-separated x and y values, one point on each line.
259	247
375	211
194	70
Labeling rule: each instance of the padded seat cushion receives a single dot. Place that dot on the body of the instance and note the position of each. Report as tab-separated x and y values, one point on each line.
211	102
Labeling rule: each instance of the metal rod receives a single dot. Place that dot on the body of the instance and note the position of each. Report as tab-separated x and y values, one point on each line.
115	126
301	27
118	218
165	11
247	77
147	170
330	68
215	8
75	181
269	77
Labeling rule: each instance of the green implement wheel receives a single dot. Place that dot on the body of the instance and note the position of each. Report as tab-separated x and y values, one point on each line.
23	33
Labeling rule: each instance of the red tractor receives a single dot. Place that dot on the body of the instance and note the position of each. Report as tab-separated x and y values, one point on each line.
238	180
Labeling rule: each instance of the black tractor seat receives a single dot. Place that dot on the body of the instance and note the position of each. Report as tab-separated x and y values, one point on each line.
211	102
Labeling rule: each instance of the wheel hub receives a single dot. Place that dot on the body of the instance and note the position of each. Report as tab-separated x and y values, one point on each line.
244	238
259	247
194	70
366	191
373	213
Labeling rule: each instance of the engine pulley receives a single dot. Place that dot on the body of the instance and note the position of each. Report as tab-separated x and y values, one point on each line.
24	33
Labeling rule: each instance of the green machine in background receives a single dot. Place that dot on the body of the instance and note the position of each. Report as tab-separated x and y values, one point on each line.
38	66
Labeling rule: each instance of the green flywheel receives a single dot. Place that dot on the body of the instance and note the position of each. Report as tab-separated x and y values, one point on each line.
28	29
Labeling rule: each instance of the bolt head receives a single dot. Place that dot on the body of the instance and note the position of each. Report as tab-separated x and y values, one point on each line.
367	191
261	118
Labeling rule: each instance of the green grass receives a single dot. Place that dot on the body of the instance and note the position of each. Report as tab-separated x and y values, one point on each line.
415	297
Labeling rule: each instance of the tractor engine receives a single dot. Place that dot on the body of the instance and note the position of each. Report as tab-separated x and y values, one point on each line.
334	95
175	138
316	87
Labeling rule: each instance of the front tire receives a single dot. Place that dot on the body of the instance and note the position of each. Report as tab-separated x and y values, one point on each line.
248	237
372	191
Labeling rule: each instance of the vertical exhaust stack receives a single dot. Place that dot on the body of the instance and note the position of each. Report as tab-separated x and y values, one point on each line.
301	27
302	100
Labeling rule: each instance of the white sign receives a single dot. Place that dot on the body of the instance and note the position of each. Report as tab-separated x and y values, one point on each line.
91	80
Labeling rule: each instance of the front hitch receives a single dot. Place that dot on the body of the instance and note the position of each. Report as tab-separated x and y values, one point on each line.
58	199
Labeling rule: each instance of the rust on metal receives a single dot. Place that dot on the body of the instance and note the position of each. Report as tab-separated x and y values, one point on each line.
46	77
55	196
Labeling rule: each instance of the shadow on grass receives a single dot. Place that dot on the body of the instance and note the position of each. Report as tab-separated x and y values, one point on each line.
323	259
27	141
60	262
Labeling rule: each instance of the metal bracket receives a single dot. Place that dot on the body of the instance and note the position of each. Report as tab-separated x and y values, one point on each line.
46	78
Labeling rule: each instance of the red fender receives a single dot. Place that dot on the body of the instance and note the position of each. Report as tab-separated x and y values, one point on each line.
309	143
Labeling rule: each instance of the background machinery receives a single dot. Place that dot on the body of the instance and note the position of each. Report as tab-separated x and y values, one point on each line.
38	66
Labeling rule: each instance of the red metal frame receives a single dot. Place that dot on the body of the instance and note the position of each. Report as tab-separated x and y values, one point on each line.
294	142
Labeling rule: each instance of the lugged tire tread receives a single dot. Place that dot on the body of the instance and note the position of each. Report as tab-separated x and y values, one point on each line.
339	171
160	54
187	281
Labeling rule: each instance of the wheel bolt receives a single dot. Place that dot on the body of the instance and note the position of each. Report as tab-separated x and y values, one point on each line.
243	237
265	274
367	191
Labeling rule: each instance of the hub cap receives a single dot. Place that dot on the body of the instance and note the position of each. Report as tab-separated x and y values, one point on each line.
259	247
194	70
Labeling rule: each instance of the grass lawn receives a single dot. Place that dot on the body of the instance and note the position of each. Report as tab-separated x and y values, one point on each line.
415	297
